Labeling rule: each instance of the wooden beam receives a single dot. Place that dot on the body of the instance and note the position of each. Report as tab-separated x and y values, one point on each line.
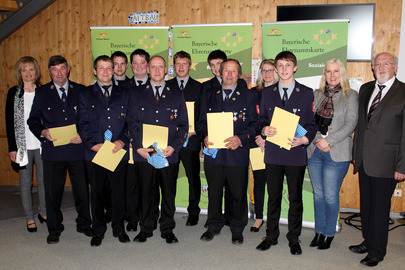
8	5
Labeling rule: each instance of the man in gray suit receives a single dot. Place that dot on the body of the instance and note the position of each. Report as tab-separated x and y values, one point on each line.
379	149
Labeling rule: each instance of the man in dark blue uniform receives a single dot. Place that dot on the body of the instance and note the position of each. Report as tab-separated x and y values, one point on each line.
120	61
139	64
231	164
102	110
190	155
55	105
157	104
215	59
296	98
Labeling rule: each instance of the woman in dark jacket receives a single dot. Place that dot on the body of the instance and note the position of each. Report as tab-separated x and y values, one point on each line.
266	77
24	148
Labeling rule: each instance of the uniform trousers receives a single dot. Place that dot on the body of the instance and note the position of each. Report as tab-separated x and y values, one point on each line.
98	181
54	179
375	204
149	178
275	178
237	179
132	194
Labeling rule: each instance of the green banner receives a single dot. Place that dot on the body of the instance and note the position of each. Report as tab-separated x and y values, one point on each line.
312	42
307	197
199	40
107	40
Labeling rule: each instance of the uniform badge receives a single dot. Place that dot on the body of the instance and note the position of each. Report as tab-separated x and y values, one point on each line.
258	109
163	96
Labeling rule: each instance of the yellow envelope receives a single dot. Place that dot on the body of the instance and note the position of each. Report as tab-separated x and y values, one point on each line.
105	157
63	134
190	113
286	124
152	133
220	127
257	159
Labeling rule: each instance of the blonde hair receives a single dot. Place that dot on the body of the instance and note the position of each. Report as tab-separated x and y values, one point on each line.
20	64
344	81
260	81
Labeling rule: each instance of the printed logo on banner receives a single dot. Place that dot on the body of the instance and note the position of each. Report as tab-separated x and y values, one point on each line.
275	32
102	36
184	34
148	41
144	17
231	39
325	36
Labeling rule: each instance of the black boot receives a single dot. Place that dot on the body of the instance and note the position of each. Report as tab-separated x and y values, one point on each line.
318	239
326	243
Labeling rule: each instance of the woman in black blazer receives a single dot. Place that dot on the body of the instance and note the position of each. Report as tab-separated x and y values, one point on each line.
267	76
24	147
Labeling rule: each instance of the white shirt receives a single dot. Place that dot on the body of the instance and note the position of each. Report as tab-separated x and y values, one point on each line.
387	87
31	141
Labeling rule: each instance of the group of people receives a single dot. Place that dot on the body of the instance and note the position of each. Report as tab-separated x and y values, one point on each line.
116	108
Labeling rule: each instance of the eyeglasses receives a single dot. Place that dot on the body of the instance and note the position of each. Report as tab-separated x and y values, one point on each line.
264	71
384	64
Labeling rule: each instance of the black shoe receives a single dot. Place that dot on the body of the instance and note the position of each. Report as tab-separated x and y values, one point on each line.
108	217
170	238
326	243
208	235
256	229
237	238
31	229
132	226
295	248
41	218
360	249
53	238
142	237
267	243
318	238
96	240
122	237
192	221
371	260
87	232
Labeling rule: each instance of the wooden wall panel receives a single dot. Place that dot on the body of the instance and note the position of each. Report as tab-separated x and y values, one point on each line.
64	28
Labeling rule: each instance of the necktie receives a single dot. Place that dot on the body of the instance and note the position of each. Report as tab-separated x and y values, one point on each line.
106	93
376	101
108	135
157	92
181	84
227	93
285	97
139	82
64	97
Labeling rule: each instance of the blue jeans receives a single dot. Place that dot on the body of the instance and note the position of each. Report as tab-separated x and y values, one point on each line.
326	179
